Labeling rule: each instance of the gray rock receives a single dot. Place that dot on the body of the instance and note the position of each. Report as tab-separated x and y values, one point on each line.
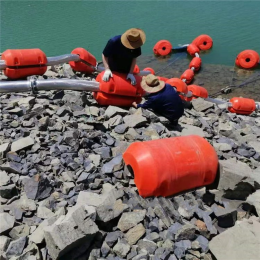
204	243
12	167
191	130
254	199
135	120
7	222
186	232
226	217
4	178
181	247
8	191
148	246
16	247
69	232
201	105
121	248
240	242
20	231
4	147
134	234
130	219
4	242
112	238
113	111
22	143
114	165
43	212
120	148
120	129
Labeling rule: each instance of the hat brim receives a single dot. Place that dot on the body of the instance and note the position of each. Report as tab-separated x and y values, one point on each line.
149	89
133	45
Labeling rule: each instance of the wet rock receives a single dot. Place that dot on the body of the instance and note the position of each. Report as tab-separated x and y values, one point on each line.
7	222
134	234
131	219
22	143
69	232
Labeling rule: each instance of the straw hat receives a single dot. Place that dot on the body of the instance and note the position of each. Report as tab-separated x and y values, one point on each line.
152	84
133	38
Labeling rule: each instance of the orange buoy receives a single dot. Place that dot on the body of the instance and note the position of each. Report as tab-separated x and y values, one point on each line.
204	42
187	162
180	86
247	59
195	63
149	69
188	75
24	63
197	91
119	85
136	69
243	106
162	78
192	49
162	48
105	99
86	56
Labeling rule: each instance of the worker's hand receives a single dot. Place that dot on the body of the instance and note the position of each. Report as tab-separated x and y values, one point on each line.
108	74
134	104
132	78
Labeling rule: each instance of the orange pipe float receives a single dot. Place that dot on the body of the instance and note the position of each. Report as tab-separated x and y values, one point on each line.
187	162
243	106
204	42
192	49
188	75
197	91
149	69
247	59
162	48
195	63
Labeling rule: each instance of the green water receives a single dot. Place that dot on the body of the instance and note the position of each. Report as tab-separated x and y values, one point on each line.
57	27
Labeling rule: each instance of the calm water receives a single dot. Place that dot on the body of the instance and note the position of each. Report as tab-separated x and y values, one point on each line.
57	27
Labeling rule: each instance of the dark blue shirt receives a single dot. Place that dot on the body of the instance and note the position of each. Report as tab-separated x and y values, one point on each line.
119	57
165	102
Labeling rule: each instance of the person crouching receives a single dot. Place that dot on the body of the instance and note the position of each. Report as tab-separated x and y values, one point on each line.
162	98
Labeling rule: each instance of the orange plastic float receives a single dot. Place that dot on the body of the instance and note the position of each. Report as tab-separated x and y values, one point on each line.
162	48
195	63
180	86
243	106
247	59
197	91
119	85
86	56
23	63
187	162
136	69
204	42
188	75
105	99
150	69
162	78
192	49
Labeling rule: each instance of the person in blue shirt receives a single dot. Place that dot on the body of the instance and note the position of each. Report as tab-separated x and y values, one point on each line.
162	98
121	52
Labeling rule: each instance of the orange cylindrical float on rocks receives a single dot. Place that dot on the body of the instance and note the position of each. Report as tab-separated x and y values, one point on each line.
204	42
119	85
162	78
188	75
197	91
162	48
243	106
86	56
192	49
105	99
187	162
247	59
195	63
180	86
24	63
150	69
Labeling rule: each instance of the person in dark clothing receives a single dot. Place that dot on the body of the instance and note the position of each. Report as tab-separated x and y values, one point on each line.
121	52
163	99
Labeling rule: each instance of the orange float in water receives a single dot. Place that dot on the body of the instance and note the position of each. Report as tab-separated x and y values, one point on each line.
149	69
204	42
188	75
136	70
192	49
162	78
105	99
195	63
247	59
119	85
187	162
24	63
180	86
243	106
197	91
162	48
86	56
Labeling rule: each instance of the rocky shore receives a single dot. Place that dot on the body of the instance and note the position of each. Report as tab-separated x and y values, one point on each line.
66	194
